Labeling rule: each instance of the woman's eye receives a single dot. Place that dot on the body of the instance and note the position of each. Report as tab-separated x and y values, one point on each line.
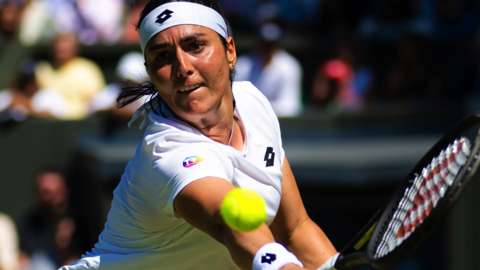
162	58
196	46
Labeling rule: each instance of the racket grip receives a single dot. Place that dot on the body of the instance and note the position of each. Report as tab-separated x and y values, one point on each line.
350	261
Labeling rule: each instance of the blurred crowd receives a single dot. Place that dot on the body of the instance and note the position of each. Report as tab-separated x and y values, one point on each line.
47	234
64	85
307	55
358	54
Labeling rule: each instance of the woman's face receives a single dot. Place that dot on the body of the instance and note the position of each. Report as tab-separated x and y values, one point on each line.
190	67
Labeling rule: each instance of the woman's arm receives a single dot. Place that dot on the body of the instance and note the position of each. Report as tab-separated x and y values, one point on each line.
294	228
199	202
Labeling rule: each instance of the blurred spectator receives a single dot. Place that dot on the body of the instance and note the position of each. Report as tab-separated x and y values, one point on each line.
93	21
11	51
36	24
44	18
274	71
342	81
64	16
25	99
74	78
48	230
130	70
101	20
9	255
130	33
10	13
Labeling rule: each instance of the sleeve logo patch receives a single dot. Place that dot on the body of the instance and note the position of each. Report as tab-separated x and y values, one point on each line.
192	161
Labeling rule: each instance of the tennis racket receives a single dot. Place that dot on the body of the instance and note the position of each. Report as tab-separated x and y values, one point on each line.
428	192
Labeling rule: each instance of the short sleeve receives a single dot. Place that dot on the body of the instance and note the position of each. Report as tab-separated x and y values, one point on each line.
264	109
191	162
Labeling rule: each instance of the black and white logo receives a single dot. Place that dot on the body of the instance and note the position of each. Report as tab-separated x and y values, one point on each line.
269	157
165	15
269	258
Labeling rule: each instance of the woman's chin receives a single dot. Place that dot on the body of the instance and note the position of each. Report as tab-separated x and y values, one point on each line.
196	105
193	109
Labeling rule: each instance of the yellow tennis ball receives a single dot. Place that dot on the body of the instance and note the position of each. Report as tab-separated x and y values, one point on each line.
243	209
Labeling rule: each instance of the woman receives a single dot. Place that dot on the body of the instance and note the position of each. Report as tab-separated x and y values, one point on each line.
204	135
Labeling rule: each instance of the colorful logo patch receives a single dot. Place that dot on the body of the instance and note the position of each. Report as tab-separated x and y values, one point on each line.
192	161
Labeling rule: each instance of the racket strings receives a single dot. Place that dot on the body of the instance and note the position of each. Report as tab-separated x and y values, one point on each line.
418	200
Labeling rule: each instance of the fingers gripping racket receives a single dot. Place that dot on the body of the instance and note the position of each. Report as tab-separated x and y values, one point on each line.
430	189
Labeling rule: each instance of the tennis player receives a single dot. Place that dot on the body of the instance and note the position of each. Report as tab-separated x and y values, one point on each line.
203	136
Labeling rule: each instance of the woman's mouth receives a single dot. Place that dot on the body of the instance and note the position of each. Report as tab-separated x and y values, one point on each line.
189	88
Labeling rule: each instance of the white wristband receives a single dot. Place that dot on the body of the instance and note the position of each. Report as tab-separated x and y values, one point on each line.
330	263
272	256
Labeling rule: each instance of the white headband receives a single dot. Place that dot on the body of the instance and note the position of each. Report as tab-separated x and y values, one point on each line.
176	13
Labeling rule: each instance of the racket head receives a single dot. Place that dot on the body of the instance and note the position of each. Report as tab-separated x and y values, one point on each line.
411	213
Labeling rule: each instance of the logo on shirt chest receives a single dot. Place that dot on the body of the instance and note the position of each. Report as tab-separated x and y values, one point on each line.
269	157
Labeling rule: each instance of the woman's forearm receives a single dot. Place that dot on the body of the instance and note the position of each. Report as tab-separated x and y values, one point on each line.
310	244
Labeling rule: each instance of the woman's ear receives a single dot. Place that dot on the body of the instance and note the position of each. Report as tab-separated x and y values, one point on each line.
231	53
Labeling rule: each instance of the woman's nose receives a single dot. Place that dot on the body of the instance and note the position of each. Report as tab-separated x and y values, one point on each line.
182	66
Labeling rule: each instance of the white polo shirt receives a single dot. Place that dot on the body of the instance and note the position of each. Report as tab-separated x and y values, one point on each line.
142	231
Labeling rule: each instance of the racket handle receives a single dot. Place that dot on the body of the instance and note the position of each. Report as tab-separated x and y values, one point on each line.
350	261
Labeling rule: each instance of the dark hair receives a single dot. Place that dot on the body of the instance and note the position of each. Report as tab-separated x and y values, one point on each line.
132	92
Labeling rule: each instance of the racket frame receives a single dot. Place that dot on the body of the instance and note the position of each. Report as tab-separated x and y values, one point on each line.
361	250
